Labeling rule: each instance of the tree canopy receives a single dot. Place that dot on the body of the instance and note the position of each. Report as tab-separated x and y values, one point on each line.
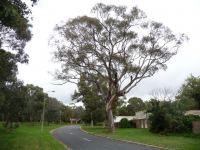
8	67
94	104
15	26
119	46
190	90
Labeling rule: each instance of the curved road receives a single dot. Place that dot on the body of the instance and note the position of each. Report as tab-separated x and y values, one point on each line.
76	139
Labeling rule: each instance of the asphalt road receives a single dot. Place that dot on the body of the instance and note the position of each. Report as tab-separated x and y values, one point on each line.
76	139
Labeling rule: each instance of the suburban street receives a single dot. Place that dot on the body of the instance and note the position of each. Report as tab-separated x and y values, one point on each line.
76	139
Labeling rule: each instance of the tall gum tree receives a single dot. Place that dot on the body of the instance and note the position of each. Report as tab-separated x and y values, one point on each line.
119	46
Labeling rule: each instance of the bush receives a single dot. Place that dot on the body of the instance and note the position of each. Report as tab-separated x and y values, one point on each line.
165	118
100	124
159	122
181	124
124	123
177	125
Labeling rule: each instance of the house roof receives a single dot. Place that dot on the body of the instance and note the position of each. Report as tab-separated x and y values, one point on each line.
138	115
193	112
118	118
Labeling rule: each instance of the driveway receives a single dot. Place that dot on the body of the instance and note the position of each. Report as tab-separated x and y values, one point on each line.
76	139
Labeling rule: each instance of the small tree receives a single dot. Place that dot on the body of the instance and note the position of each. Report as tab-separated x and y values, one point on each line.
191	90
124	123
89	95
120	47
159	119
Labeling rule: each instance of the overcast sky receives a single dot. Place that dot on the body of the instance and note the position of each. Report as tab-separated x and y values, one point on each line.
182	16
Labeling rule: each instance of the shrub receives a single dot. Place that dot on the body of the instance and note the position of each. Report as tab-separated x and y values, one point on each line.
165	118
100	124
124	123
177	125
159	122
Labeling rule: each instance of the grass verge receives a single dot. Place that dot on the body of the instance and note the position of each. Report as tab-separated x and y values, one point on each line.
29	137
171	141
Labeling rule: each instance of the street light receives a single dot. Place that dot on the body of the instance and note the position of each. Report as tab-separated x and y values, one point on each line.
43	112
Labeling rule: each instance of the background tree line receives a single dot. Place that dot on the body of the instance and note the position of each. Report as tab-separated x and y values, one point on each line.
24	103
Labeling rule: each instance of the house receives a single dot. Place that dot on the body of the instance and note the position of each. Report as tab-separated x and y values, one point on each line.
192	112
141	119
195	124
74	120
117	119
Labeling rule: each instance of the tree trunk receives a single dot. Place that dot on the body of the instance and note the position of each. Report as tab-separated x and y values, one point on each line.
199	105
30	118
111	125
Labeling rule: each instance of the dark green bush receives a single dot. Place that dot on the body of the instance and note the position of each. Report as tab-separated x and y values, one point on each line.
176	125
165	118
124	123
100	124
159	122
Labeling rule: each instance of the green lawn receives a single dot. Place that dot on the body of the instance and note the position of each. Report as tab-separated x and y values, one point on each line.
28	137
178	142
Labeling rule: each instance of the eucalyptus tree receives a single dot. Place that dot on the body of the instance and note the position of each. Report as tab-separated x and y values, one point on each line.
118	45
15	32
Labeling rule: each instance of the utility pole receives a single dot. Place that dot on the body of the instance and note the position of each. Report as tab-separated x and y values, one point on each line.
43	113
60	116
91	120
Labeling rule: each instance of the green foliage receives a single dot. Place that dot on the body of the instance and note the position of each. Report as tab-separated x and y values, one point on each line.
34	102
8	72
166	117
134	105
158	118
190	90
181	124
15	26
14	103
8	67
94	104
124	123
54	110
123	111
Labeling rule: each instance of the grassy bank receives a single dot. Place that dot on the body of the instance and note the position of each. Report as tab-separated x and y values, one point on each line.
172	141
29	137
